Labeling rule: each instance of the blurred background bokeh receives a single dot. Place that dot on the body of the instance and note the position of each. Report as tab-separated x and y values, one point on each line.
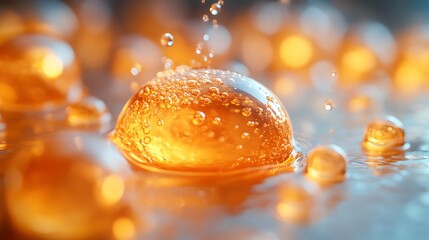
68	67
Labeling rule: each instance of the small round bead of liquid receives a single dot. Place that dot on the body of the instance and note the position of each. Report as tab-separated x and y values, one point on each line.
58	188
326	164
384	137
37	72
88	112
205	115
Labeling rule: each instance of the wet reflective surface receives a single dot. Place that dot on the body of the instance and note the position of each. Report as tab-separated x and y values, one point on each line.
380	197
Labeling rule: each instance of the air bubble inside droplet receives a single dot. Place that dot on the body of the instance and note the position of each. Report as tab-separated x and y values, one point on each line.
202	121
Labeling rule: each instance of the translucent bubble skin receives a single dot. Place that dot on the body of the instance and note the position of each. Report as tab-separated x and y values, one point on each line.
326	164
58	188
204	120
384	137
37	72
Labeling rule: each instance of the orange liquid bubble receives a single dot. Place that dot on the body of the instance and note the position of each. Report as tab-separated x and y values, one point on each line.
37	72
295	204
204	120
384	137
326	164
56	189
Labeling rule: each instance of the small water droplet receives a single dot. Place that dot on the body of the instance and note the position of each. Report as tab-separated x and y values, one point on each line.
136	69
326	164
198	118
239	147
147	140
215	9
205	18
328	104
334	74
167	40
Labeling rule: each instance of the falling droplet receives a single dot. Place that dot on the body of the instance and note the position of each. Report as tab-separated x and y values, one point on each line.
198	118
328	104
167	40
205	18
136	69
147	140
215	9
326	164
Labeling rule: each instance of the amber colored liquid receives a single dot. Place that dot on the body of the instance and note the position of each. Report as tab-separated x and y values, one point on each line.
37	72
204	121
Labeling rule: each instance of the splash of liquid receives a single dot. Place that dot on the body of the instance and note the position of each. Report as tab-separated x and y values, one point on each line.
203	111
385	137
326	164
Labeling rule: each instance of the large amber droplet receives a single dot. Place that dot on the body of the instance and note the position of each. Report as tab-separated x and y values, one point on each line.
37	72
212	121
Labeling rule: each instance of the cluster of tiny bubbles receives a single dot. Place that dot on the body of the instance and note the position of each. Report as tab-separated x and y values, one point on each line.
326	164
385	137
180	120
89	112
167	40
62	173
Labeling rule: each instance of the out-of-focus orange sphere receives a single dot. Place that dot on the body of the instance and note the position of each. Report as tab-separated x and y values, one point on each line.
37	72
58	188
